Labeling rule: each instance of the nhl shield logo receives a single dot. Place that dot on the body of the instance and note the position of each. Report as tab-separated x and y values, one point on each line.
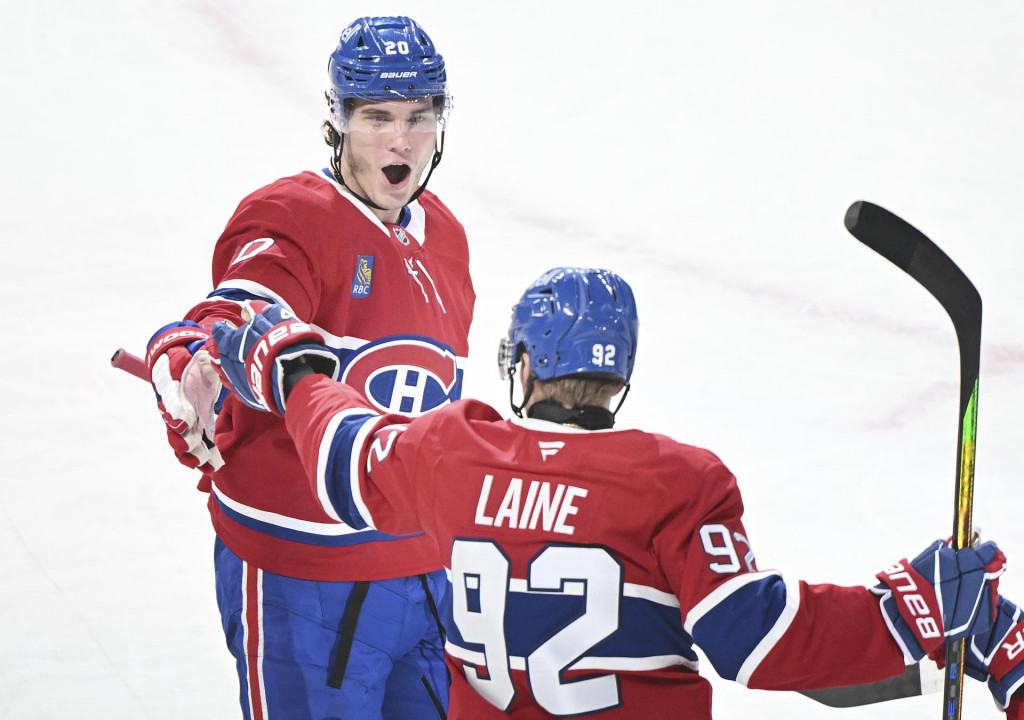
400	234
363	279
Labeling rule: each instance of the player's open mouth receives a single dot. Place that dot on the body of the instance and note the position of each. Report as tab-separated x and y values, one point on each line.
396	174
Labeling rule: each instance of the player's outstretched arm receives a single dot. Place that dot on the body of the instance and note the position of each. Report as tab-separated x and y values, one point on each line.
263	359
767	633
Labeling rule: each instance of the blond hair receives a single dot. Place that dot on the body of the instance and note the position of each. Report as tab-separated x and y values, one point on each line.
578	391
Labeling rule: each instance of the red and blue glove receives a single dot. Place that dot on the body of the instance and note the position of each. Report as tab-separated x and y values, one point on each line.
940	596
252	356
997	656
188	391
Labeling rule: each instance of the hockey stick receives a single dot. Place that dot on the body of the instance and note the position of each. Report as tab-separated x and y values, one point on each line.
910	250
131	364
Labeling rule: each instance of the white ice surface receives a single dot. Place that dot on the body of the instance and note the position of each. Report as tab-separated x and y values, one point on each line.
706	151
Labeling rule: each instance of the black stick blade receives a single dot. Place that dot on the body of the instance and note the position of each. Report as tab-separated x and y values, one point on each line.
909	249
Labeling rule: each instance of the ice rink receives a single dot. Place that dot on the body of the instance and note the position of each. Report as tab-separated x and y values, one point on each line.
707	151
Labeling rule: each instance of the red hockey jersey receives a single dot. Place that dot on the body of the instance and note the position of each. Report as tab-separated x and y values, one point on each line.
394	302
585	566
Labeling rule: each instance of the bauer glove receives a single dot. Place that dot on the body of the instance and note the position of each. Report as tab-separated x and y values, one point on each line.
252	356
940	596
997	656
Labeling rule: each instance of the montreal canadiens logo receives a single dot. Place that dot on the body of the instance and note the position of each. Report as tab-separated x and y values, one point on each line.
408	375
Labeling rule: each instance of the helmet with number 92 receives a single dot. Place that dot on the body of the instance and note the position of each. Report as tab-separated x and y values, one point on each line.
573	322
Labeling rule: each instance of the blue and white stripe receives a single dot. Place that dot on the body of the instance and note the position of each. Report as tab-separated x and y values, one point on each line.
742	620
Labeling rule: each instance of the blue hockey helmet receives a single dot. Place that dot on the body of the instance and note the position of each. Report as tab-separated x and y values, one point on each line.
573	321
385	58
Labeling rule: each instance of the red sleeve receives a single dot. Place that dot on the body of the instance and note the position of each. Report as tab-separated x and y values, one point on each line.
271	245
397	482
837	637
757	627
366	469
265	251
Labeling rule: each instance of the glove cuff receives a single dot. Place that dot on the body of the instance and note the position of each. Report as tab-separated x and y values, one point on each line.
911	609
173	335
1006	670
262	361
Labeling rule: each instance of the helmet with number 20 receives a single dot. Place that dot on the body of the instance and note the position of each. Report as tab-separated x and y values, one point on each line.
573	321
385	58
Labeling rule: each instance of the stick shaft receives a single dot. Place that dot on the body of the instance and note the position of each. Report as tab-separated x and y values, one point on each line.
962	530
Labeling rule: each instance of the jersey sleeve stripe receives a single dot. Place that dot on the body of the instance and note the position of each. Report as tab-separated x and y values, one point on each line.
769	641
322	456
719	594
254	289
338	466
739	623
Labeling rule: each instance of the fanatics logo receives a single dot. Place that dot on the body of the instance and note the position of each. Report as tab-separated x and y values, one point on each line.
361	283
548	449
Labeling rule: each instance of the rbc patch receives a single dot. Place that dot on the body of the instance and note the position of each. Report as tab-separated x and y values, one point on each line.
361	283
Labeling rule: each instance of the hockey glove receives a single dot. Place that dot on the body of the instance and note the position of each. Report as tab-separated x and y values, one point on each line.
187	392
940	596
251	356
997	656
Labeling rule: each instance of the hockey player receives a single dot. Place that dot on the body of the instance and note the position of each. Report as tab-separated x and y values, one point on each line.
587	562
326	620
